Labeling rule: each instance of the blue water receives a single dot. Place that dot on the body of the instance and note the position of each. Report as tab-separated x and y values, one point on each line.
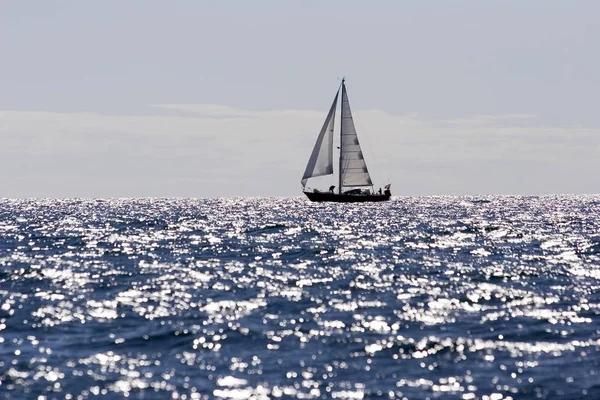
431	297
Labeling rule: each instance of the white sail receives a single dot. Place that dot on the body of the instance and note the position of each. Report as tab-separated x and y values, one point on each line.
353	169
321	159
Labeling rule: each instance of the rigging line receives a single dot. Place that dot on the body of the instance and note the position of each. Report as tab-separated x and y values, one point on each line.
379	172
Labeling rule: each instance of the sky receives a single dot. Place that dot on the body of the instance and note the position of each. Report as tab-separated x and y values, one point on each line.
212	98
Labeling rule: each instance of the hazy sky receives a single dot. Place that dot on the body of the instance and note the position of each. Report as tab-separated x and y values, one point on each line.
221	98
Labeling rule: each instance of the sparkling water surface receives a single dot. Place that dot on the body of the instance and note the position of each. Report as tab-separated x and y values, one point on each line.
265	298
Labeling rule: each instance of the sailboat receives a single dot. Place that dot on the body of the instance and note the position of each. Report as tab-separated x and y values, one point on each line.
354	180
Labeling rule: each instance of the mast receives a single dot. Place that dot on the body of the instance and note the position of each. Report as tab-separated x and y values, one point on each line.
341	133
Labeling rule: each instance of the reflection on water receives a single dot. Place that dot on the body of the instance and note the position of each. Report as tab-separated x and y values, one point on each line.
439	297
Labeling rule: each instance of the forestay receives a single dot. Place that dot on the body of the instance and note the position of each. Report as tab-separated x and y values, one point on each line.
321	159
353	168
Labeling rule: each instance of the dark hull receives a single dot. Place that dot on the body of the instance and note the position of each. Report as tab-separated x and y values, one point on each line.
347	198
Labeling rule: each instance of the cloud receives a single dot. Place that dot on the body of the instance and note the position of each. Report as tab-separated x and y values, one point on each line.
214	150
208	110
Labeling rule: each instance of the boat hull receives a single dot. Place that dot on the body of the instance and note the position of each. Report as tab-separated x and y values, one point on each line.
347	198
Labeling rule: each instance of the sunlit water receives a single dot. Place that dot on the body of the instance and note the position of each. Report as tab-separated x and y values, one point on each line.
439	297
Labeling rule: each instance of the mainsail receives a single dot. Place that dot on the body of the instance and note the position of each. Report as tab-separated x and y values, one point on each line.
353	169
321	159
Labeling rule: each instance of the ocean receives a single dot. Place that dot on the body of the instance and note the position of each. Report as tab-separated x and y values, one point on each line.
494	297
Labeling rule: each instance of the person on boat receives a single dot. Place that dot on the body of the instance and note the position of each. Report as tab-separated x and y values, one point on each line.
331	188
388	192
379	190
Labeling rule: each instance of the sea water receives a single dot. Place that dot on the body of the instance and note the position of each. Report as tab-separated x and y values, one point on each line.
233	298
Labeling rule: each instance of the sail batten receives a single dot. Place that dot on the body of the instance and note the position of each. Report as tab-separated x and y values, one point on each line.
353	168
321	158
